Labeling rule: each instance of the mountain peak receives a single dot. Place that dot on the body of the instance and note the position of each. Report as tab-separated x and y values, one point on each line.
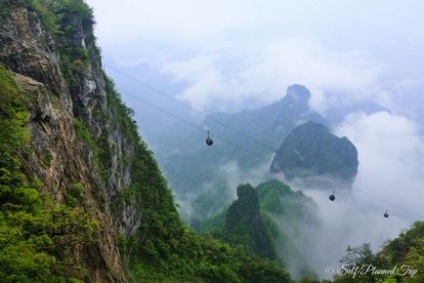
297	95
312	150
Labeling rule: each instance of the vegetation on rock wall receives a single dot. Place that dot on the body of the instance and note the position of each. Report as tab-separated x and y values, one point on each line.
37	235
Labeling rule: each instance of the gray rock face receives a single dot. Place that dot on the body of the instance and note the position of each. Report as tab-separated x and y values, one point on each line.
58	94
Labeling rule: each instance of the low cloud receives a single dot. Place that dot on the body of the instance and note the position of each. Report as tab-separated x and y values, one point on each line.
222	191
234	175
391	152
390	177
207	85
231	55
262	76
332	76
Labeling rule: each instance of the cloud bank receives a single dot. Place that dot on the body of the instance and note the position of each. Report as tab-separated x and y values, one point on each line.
262	77
391	177
231	55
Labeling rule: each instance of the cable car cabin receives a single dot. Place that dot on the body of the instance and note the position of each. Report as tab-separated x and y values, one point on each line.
208	140
332	197
386	214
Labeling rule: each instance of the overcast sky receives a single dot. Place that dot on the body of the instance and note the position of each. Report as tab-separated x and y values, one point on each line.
229	53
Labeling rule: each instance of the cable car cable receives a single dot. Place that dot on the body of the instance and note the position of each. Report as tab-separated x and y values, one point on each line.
89	75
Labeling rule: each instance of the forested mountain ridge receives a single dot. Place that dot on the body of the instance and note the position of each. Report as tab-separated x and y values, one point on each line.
244	224
270	220
82	198
312	150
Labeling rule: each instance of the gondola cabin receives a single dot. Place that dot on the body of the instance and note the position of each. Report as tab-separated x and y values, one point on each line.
209	140
332	197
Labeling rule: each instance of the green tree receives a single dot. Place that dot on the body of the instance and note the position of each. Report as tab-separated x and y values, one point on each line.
37	235
413	267
360	264
244	226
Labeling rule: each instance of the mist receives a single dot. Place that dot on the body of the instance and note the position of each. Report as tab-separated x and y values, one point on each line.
390	178
235	176
230	55
223	189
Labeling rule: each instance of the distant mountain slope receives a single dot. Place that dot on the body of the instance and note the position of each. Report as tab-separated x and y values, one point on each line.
244	141
269	220
268	124
244	225
311	149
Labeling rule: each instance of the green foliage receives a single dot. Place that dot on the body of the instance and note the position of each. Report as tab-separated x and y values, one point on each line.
59	15
312	150
100	151
356	263
214	223
63	19
123	114
407	250
243	224
255	270
204	259
84	133
404	256
398	249
279	199
415	261
13	118
49	20
74	194
46	158
4	9
37	235
55	101
270	195
278	202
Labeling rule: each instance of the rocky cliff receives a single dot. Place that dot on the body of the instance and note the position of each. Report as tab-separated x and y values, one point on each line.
70	112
